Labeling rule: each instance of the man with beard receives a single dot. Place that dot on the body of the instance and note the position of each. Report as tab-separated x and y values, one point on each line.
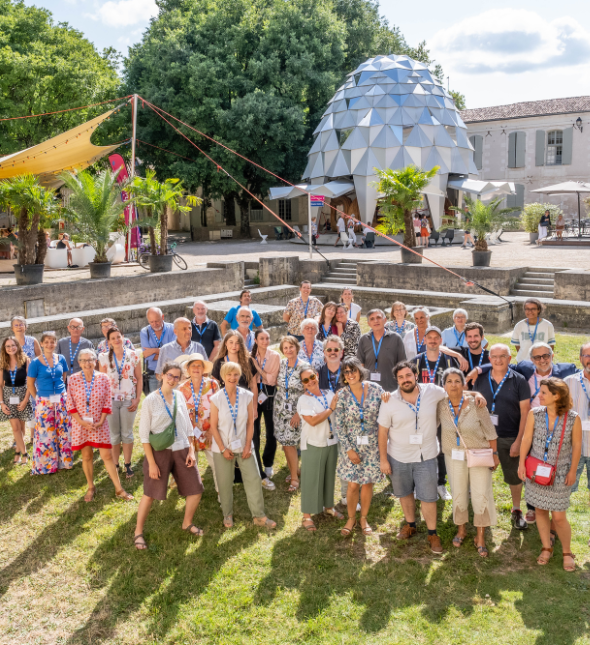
475	352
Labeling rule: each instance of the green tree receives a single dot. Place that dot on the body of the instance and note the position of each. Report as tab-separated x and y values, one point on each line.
402	190
45	67
482	218
532	213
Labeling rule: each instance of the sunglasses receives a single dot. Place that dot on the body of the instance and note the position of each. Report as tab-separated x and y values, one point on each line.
308	379
541	357
349	372
331	350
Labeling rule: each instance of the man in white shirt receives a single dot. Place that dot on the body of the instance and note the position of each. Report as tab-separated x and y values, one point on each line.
532	329
341	228
244	318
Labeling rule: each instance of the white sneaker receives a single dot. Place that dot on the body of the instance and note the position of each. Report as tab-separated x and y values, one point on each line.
268	484
443	493
269	472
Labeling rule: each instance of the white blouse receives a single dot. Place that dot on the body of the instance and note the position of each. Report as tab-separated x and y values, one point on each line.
309	406
225	423
155	419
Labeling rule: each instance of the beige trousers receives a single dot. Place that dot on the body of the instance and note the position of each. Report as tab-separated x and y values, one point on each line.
477	480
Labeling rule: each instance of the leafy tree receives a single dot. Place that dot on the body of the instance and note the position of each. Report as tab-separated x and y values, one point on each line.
459	100
402	190
532	213
483	218
45	67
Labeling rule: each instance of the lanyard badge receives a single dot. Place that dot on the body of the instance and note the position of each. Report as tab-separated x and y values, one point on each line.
456	416
88	389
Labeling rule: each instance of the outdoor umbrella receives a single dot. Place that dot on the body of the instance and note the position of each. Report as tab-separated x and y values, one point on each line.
567	187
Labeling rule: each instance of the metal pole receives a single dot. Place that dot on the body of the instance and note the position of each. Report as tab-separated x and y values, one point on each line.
579	220
132	171
309	224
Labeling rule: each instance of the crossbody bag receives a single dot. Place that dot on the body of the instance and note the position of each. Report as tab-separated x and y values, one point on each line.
538	470
477	457
163	440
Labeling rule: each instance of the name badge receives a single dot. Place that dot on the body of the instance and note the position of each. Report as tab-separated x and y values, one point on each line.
14	400
459	455
88	419
55	398
236	445
416	439
494	419
585	425
288	407
198	433
362	441
543	471
262	398
333	441
375	376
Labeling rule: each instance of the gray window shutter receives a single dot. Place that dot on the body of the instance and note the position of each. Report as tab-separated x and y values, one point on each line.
520	149
477	143
512	150
510	201
519	197
540	148
566	150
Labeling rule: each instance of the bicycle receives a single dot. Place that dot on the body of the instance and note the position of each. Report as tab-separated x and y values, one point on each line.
144	254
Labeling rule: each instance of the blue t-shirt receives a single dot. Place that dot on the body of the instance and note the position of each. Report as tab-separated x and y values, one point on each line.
149	340
451	338
46	386
231	318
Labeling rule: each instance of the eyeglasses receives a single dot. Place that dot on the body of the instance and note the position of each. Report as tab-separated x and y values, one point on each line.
308	379
349	372
172	377
541	357
76	327
331	350
534	309
584	355
18	325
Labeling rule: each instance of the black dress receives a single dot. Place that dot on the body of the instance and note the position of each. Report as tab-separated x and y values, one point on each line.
16	388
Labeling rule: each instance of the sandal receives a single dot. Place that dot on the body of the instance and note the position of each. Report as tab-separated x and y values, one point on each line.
90	494
458	540
483	552
293	486
367	530
332	512
264	521
345	531
553	537
122	494
543	561
228	521
129	471
199	532
25	456
16	457
308	524
140	546
572	566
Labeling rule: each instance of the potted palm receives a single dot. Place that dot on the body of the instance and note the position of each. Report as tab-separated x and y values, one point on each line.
402	190
158	199
93	213
531	216
31	203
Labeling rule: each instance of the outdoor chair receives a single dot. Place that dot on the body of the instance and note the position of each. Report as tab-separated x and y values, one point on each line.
263	237
434	238
369	240
279	233
449	236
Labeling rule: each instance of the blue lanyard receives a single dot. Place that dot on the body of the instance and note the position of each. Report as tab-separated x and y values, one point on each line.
376	350
456	416
50	368
361	407
480	358
13	378
398	329
306	352
549	436
326	331
416	409
419	345
583	386
262	368
88	390
537	387
197	399
157	340
460	338
120	369
168	409
333	386
532	338
495	394
198	330
234	410
288	376
325	405
432	375
250	341
350	312
306	306
73	356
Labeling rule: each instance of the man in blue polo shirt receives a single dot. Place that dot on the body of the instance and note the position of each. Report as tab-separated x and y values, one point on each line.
152	337
231	322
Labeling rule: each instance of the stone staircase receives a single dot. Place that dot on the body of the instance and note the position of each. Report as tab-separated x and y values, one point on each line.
344	274
536	283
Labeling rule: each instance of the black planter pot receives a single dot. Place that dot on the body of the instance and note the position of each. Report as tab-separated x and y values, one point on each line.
160	263
28	273
481	258
100	270
411	258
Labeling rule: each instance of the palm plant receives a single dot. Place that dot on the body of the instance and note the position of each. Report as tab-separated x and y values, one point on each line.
158	198
32	203
403	190
94	208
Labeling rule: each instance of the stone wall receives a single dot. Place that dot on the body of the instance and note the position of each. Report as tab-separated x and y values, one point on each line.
573	284
292	270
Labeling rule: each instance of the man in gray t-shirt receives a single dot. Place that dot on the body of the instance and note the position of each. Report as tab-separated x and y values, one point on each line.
70	346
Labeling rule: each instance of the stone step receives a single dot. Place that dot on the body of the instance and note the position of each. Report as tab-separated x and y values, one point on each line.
331	279
540	274
344	274
532	294
533	286
532	280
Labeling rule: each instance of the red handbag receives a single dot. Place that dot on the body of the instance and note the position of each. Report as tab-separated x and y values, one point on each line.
539	471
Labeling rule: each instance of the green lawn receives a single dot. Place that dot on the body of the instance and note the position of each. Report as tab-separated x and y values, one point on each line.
70	573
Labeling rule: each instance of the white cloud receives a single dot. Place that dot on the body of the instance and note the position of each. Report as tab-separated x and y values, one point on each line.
512	41
122	13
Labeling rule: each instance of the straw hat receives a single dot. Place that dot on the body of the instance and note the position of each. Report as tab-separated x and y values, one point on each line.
184	360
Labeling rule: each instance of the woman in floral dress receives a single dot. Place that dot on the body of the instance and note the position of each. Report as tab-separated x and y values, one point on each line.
285	417
312	350
359	462
349	330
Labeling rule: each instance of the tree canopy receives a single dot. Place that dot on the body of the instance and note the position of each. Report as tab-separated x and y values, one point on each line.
44	67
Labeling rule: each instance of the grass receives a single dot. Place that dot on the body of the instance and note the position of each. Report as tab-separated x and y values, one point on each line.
69	573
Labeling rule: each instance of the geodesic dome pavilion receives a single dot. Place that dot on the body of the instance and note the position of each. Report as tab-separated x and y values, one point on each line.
390	113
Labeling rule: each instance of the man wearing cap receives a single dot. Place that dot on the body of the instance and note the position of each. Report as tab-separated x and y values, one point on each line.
70	346
152	337
181	345
205	330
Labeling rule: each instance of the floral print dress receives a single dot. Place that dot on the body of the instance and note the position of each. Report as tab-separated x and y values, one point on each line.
317	355
201	420
347	425
351	337
100	402
284	433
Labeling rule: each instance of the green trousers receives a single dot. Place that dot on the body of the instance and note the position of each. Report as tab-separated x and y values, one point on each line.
224	473
318	478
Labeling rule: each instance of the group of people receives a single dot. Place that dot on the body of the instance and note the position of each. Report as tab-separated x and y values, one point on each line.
406	400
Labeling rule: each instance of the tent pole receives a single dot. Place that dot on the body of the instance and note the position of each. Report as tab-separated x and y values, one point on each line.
132	170
309	225
579	220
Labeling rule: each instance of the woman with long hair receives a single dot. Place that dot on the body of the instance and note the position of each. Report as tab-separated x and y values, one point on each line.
15	404
123	366
347	298
46	381
233	349
349	330
327	322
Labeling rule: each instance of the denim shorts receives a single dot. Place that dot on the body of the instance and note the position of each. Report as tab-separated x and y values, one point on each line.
421	476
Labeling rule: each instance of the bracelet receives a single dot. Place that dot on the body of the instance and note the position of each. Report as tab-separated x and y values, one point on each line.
495	453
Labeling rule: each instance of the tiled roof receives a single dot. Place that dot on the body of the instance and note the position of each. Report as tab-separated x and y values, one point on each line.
528	108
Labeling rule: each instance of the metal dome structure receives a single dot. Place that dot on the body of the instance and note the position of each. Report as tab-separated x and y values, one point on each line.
390	113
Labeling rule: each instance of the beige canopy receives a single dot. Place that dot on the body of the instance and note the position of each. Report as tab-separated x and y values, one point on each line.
71	150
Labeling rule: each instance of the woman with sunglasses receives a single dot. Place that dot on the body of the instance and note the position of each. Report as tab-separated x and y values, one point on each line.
319	450
357	409
164	412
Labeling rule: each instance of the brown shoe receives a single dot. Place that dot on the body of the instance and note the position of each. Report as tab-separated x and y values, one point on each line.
435	544
406	532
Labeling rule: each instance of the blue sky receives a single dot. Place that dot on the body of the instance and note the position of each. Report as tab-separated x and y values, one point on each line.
506	52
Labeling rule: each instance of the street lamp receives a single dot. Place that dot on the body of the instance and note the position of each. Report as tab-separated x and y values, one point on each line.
579	124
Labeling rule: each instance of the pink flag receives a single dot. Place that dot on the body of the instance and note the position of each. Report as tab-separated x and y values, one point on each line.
117	162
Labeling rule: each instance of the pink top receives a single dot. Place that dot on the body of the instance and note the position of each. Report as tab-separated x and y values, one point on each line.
271	367
100	401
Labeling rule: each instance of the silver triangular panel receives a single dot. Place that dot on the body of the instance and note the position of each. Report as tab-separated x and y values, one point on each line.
458	165
316	146
332	143
401	160
372	118
418	138
358	139
435	159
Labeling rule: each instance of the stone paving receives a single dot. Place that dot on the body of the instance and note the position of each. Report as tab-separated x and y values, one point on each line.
515	251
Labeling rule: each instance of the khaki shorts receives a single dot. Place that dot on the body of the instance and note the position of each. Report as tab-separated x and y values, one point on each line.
187	479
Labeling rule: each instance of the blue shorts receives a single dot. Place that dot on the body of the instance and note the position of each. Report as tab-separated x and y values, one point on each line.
421	476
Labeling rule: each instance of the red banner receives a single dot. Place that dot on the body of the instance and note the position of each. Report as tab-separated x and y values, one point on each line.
117	162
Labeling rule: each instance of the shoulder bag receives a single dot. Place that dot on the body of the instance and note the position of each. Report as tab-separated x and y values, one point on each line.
478	457
163	440
539	471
